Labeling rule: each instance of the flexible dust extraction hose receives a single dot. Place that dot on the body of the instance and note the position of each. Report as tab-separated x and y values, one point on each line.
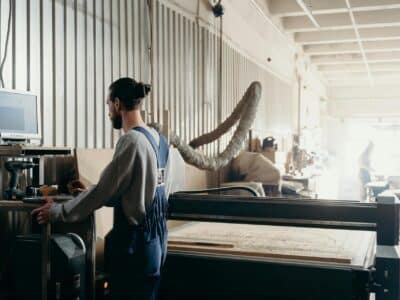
245	111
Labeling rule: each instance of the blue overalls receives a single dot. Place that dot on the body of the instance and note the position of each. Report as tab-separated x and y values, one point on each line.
135	253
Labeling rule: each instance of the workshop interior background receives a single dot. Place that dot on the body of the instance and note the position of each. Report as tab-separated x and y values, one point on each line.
314	79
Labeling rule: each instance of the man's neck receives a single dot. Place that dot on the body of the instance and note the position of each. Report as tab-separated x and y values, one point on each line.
131	119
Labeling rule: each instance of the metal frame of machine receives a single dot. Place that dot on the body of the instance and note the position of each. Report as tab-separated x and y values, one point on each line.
206	276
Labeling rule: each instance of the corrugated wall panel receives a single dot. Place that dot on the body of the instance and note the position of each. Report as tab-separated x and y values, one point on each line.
107	64
69	51
90	75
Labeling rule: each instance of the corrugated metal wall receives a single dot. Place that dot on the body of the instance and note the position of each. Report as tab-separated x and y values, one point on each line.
69	51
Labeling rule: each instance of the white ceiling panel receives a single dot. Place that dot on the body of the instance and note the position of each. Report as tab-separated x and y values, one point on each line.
345	39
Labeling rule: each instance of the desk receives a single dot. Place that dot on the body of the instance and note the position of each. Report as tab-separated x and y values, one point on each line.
21	150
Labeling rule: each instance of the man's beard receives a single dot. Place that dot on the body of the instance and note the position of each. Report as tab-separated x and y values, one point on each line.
116	121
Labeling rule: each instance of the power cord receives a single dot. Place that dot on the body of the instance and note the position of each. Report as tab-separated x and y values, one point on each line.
150	33
3	60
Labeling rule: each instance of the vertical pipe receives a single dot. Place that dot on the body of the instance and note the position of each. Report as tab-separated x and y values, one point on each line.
28	44
298	105
14	51
86	123
103	75
53	35
65	76
133	40
219	107
112	62
94	74
76	69
41	67
126	38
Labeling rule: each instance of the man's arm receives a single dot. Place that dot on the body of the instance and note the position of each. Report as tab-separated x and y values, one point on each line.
114	180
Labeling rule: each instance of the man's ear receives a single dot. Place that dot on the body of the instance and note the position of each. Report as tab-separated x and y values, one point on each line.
117	104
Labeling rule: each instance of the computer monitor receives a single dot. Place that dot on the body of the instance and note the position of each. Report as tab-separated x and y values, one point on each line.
19	117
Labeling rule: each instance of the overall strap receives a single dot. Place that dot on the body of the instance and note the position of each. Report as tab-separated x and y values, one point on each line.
151	139
161	151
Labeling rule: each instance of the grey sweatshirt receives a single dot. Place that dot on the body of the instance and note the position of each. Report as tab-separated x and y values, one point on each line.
131	178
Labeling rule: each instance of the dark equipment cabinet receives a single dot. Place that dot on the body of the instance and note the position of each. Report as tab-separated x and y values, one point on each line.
67	256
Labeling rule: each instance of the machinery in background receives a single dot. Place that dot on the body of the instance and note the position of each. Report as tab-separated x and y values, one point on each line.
102	286
220	276
67	280
20	140
15	168
255	167
269	148
26	269
297	159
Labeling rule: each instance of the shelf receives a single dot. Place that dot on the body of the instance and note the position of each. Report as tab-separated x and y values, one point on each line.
20	150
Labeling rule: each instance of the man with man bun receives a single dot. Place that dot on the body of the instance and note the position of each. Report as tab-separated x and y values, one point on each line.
135	184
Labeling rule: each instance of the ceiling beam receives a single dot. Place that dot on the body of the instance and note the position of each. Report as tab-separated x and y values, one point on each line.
302	23
360	76
384	56
347	68
308	13
355	58
329	49
347	35
291	8
362	82
364	19
360	44
352	47
325	36
359	67
385	17
377	92
287	8
382	46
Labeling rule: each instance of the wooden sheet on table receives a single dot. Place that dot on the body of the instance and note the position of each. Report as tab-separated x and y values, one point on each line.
277	242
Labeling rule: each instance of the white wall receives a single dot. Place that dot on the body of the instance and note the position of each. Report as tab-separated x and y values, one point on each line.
259	37
249	30
70	67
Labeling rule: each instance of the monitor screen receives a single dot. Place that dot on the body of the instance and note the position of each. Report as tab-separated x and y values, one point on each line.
18	113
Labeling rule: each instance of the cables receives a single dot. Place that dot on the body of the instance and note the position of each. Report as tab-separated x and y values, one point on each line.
150	35
3	60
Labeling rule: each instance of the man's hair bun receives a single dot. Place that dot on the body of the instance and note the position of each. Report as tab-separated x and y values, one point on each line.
143	89
146	89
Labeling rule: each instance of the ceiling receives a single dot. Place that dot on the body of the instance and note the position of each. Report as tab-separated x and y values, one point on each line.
349	41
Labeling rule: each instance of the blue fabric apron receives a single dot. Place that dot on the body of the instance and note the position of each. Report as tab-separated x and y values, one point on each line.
135	253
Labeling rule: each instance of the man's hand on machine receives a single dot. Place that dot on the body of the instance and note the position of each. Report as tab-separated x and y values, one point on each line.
43	213
76	187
